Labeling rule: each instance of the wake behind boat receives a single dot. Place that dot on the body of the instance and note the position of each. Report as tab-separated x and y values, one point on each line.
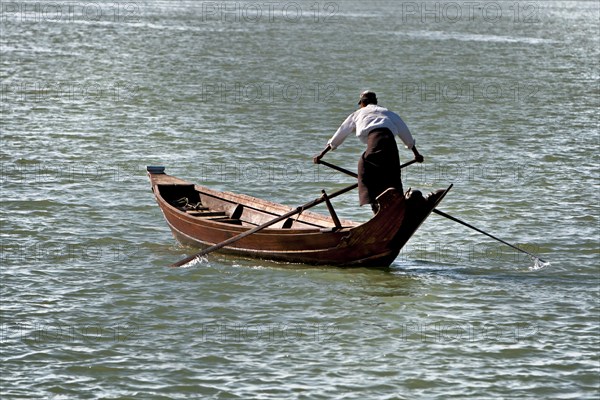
202	217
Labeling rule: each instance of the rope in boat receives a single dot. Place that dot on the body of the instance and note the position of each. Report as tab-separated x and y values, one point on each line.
184	203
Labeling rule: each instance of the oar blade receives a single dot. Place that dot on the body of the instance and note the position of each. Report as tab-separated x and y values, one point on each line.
538	264
189	261
537	261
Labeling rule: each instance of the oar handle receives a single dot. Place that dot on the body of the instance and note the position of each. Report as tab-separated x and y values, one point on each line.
406	164
354	174
340	169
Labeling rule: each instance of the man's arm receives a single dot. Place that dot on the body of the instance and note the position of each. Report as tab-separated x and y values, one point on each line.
318	157
347	127
418	155
406	136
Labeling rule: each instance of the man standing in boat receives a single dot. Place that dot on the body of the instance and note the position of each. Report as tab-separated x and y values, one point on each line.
379	165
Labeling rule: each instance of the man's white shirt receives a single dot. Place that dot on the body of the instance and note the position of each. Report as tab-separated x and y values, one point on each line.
366	119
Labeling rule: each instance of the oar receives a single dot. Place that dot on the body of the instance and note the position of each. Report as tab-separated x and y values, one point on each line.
438	212
450	217
242	235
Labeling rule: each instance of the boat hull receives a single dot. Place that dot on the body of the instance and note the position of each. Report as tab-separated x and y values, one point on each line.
310	238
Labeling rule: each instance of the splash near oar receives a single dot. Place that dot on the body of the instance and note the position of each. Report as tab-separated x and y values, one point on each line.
538	264
195	261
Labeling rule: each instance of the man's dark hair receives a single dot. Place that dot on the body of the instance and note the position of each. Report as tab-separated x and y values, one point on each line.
367	97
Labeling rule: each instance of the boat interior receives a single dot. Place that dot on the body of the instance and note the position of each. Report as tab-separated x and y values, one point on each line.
215	207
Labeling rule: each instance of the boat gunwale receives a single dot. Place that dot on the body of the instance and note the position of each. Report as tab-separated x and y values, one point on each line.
227	227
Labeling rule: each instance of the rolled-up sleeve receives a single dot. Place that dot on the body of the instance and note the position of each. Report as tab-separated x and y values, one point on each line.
347	127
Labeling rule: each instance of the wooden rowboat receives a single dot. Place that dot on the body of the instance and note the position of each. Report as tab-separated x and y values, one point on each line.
202	217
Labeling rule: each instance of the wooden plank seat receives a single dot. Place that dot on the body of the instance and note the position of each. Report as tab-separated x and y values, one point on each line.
204	214
233	221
